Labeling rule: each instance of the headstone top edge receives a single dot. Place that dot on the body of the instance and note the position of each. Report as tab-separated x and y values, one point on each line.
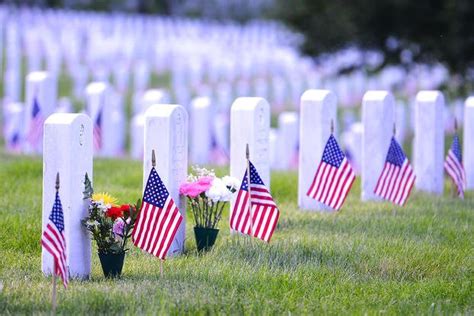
65	118
429	95
163	110
316	94
37	76
288	116
377	95
248	103
470	102
96	87
153	94
201	102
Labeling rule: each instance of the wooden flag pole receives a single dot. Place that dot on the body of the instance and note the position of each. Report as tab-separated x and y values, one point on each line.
53	298
153	164
247	156
153	158
332	126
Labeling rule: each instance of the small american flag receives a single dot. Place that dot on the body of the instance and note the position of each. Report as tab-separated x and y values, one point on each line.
334	177
397	178
14	143
454	168
159	218
265	213
218	154
97	133
35	129
54	242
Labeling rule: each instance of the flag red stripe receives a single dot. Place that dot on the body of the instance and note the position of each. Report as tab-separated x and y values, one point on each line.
342	186
335	183
315	183
399	181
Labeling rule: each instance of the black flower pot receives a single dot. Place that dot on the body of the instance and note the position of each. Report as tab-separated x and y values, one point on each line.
112	264
205	237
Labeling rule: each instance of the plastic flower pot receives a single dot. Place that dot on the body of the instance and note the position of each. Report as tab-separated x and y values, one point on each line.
112	264
205	238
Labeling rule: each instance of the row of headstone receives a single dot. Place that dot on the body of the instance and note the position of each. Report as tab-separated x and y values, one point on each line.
256	59
69	143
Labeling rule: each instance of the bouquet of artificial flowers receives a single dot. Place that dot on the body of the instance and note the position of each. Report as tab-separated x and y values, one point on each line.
207	195
110	224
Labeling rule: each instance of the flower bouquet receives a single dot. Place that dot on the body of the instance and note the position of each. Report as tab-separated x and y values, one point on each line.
207	196
110	225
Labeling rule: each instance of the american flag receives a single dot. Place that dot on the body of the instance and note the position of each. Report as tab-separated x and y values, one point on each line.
264	213
35	129
97	137
397	178
159	218
454	168
334	177
218	155
14	142
54	242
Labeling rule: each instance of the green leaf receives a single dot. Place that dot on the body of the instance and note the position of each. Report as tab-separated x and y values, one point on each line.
88	190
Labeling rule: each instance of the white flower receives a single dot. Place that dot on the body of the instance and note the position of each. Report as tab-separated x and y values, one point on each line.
203	172
231	183
218	191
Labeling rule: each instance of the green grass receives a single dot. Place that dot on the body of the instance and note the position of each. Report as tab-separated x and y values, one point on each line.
370	258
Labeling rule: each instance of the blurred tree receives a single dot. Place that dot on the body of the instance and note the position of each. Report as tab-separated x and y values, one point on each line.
404	30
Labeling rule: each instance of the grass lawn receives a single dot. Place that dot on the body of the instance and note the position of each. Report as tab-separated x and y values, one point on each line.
369	258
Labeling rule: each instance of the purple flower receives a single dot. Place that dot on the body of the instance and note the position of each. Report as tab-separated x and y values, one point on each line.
118	227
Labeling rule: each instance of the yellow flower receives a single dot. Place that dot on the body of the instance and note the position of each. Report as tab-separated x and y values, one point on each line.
106	198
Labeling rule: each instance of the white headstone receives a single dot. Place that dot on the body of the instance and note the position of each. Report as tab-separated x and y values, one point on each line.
68	150
166	132
104	107
12	84
378	109
137	129
288	139
401	122
79	75
13	118
64	105
273	138
151	97
317	109
250	124
468	152
201	130
141	76
42	87
428	144
352	139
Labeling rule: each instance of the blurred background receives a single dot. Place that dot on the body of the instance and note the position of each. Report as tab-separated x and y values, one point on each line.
146	52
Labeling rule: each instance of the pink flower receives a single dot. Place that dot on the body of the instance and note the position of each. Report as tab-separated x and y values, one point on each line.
193	189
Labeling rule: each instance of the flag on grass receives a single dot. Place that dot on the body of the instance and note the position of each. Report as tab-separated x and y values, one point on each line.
97	132
397	178
262	220
159	218
54	242
334	177
454	168
35	129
